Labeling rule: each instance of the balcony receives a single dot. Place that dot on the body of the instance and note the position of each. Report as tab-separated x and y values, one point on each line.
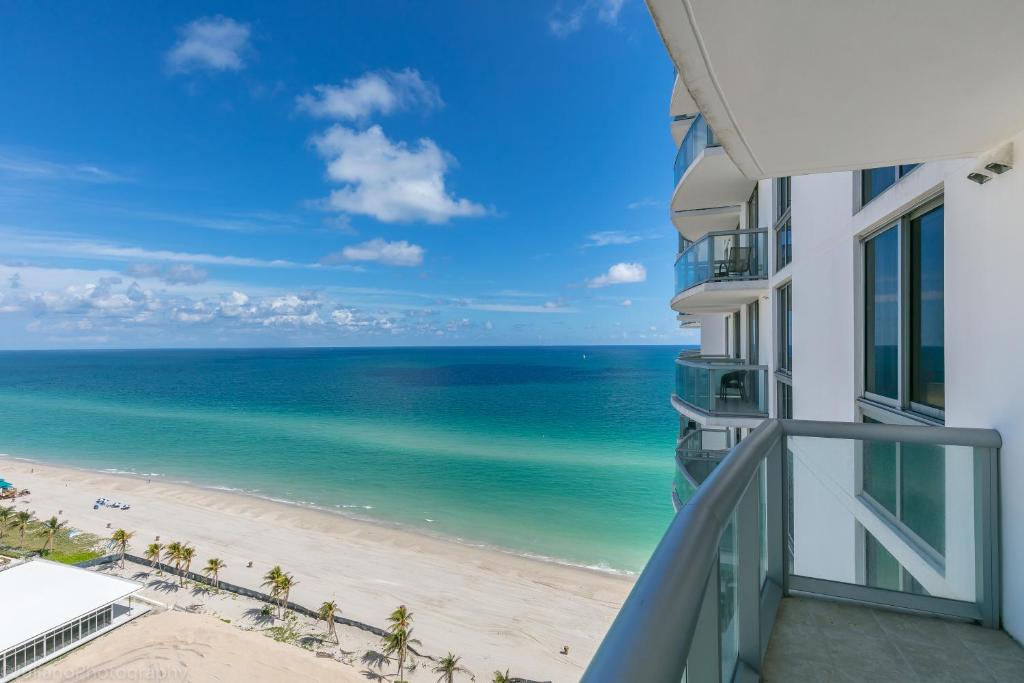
721	272
721	392
705	176
699	452
781	567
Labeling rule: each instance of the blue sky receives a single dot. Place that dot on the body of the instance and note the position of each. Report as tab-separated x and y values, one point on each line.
349	174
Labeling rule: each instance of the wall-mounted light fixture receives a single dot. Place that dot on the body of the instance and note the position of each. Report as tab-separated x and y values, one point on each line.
996	163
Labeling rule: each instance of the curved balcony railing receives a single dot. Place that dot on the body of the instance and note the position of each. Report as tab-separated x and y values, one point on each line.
722	386
705	604
699	452
722	256
698	138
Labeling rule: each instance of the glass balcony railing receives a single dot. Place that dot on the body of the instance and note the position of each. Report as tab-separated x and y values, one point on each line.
723	256
698	138
722	386
699	451
800	508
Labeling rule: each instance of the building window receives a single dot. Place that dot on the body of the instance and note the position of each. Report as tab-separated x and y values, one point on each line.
783	223
908	481
753	332
784	360
752	210
904	325
875	181
882	570
783	399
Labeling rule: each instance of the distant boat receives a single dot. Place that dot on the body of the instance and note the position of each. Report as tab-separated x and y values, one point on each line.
584	356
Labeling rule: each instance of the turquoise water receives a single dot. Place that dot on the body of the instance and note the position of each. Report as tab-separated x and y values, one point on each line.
559	452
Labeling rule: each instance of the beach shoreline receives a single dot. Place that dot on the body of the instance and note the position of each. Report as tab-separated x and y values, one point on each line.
346	512
495	607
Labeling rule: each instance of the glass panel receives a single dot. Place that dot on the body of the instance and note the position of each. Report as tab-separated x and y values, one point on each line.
936	510
883	571
907	168
923	492
783	244
736	255
882	314
762	503
927	326
697	139
784	398
783	195
879	477
727	599
874	181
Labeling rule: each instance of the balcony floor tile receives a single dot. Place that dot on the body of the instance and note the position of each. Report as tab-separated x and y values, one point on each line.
828	642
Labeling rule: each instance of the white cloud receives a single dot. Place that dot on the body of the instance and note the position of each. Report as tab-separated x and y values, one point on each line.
217	43
643	203
400	253
177	274
564	22
608	11
390	181
381	92
607	238
549	307
24	167
620	273
50	245
627	302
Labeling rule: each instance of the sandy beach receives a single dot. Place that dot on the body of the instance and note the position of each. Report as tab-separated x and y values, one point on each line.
497	610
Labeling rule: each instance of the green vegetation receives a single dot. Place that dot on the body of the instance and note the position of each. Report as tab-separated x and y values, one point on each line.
399	637
448	667
23	534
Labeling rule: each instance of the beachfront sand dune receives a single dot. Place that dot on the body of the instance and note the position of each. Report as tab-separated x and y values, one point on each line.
172	646
495	609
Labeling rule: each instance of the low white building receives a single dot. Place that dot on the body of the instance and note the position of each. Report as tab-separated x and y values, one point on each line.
50	608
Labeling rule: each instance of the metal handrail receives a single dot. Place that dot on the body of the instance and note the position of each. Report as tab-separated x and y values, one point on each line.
651	637
718	362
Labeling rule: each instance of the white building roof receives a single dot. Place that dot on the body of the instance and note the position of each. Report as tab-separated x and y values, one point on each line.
40	595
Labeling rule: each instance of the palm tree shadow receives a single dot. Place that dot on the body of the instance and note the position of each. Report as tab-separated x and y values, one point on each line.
375	659
373	675
258	617
140	576
162	586
311	640
200	589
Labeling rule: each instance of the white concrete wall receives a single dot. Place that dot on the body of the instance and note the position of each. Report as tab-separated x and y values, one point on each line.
984	270
984	278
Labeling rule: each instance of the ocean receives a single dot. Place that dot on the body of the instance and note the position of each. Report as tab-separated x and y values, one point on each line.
563	453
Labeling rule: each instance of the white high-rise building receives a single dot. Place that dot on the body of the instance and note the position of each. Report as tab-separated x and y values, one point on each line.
851	246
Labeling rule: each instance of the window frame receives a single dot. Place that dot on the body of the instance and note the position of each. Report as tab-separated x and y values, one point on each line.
782	188
858	183
902	403
783	341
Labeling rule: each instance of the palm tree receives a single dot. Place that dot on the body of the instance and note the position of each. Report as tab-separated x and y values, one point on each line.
21	520
399	637
284	587
186	555
49	529
6	518
120	540
501	677
326	613
212	569
172	553
448	667
153	553
272	580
